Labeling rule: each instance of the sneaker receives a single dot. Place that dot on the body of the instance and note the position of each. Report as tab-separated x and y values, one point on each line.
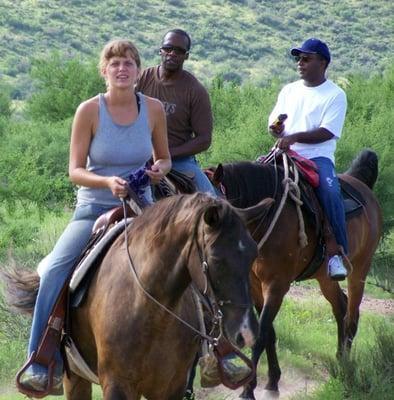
336	269
39	382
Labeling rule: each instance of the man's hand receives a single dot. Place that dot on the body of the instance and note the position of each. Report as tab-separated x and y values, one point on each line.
285	142
277	131
277	127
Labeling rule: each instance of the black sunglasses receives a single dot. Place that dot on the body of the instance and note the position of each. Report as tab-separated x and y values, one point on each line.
306	59
302	58
177	50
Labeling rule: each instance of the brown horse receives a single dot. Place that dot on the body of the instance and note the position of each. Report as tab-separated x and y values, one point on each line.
281	260
125	329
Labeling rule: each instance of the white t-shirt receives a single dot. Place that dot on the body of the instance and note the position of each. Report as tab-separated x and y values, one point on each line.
308	108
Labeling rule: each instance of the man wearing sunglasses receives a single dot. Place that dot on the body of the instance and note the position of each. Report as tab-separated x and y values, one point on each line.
187	106
315	109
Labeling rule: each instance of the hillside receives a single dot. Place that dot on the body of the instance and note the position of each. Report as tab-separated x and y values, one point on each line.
246	40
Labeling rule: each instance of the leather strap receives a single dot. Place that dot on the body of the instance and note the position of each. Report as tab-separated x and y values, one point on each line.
223	348
49	344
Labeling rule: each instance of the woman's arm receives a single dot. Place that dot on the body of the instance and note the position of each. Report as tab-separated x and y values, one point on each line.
83	128
161	153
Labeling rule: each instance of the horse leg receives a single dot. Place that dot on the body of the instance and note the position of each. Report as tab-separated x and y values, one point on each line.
266	339
338	300
189	394
356	284
76	388
274	371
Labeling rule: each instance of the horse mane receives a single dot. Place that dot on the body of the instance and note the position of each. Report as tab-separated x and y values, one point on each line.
248	182
183	210
365	167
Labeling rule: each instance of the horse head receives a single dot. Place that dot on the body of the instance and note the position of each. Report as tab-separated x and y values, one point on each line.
226	252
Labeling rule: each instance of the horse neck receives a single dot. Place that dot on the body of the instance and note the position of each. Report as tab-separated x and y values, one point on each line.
249	183
166	275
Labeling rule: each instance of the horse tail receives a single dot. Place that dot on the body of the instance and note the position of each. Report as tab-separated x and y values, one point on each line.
365	167
21	288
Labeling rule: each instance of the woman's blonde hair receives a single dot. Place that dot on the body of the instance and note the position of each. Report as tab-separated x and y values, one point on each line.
118	48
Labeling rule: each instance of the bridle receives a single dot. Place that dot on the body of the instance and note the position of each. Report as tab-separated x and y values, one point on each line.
207	295
208	298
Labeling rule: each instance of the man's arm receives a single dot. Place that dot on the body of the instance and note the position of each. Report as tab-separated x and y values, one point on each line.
201	123
313	136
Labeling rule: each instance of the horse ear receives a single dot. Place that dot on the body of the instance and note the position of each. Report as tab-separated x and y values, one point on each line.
257	212
212	216
218	174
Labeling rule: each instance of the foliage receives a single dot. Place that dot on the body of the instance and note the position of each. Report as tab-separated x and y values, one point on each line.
307	341
382	273
248	38
29	232
33	163
366	374
5	102
61	85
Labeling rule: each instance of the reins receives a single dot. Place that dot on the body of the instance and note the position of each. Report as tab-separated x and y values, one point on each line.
217	314
291	189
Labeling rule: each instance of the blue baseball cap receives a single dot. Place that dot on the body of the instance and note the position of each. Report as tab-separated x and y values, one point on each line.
312	46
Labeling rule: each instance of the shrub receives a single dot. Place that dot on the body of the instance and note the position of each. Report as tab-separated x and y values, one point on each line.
61	85
5	101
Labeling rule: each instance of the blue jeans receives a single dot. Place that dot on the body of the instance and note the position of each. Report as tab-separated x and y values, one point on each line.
329	195
60	263
190	165
58	268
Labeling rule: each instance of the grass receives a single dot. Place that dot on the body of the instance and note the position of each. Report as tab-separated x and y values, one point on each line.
306	334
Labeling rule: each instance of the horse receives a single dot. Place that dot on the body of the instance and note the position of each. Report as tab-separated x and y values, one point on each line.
281	260
138	328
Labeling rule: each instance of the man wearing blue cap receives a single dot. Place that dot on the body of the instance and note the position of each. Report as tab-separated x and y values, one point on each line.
315	109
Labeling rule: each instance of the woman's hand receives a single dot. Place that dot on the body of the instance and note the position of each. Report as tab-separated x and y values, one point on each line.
155	173
118	186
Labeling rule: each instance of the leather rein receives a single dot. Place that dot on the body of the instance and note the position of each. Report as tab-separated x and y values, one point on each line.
210	302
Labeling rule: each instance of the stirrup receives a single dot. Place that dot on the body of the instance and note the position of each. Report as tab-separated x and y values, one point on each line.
32	392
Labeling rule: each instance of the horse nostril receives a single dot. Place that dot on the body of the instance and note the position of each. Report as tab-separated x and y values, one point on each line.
240	340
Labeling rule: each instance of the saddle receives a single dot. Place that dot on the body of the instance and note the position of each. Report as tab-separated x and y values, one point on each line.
174	182
106	229
307	171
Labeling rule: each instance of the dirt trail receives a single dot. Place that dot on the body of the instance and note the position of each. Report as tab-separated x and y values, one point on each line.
370	304
293	382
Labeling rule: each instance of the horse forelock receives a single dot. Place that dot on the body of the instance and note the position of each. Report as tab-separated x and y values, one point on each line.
246	183
178	214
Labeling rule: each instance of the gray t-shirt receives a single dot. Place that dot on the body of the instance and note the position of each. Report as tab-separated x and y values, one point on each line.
116	150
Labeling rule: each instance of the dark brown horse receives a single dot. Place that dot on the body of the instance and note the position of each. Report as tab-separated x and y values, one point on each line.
281	260
135	346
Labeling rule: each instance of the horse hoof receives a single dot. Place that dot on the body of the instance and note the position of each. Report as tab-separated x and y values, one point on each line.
247	395
271	394
189	395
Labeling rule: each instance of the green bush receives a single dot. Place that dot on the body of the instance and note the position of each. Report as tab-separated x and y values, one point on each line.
61	85
368	374
5	101
34	163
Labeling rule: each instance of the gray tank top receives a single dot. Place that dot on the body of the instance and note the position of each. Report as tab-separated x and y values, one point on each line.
116	150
